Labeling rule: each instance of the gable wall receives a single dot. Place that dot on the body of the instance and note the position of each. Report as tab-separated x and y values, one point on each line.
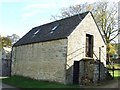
77	41
41	61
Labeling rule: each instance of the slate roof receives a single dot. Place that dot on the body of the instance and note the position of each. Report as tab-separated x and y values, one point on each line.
52	31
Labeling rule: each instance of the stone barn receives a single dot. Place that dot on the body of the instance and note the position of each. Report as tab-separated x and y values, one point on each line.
56	51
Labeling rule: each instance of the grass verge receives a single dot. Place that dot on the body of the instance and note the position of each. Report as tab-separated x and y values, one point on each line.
22	82
116	73
116	66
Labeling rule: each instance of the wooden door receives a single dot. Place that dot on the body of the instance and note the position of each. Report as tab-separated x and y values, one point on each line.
89	45
76	72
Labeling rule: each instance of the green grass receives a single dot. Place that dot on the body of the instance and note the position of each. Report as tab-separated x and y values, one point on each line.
116	73
22	82
116	66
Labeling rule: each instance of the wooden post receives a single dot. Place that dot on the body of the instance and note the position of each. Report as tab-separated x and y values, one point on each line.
113	72
11	62
99	63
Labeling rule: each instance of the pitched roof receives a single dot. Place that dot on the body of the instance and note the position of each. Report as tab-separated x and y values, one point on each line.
55	30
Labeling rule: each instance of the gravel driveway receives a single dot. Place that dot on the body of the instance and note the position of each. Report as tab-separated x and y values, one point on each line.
108	84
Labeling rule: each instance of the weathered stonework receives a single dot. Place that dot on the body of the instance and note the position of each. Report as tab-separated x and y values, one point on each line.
53	60
77	42
90	72
42	61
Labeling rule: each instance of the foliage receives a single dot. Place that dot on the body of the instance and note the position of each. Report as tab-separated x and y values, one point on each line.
0	43
14	38
111	49
6	42
116	66
116	73
116	46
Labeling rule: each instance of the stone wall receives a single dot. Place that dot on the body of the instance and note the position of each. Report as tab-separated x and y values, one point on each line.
42	61
77	44
86	71
53	60
90	72
77	41
0	68
6	67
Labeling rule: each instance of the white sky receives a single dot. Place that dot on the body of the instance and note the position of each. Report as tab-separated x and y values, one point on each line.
20	16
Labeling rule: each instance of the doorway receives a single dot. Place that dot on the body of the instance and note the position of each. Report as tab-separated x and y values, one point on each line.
89	45
76	72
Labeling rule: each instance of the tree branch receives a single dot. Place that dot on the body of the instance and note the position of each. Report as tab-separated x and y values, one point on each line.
114	37
115	31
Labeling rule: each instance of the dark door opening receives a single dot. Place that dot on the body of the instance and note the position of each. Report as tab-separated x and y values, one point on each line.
89	45
76	72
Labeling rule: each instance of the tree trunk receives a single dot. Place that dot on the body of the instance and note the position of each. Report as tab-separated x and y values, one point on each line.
108	58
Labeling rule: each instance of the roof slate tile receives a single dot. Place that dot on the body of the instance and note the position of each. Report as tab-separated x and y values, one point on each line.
64	28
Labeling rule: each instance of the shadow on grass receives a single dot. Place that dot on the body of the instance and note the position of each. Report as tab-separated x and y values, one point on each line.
23	82
117	78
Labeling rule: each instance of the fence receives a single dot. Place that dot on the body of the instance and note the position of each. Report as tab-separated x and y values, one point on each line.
114	72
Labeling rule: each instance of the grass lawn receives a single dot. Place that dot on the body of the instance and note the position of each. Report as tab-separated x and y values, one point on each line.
116	66
116	73
22	82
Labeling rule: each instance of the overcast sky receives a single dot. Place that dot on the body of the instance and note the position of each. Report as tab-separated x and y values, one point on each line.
20	16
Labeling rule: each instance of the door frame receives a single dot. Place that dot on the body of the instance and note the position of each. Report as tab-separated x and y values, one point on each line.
76	71
89	45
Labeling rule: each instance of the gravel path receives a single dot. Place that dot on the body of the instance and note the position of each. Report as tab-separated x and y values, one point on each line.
109	84
5	86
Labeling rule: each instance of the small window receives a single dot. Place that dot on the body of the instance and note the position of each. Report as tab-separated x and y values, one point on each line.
53	29
36	32
89	45
51	32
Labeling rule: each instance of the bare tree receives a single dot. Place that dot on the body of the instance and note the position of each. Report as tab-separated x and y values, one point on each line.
106	18
14	38
105	15
70	11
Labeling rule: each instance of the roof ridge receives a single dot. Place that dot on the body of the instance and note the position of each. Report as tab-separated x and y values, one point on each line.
61	19
66	27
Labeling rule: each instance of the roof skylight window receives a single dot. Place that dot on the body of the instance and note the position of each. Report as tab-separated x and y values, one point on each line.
33	35
36	32
51	32
53	29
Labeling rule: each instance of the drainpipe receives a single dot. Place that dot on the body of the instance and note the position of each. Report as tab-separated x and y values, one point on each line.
11	61
99	63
